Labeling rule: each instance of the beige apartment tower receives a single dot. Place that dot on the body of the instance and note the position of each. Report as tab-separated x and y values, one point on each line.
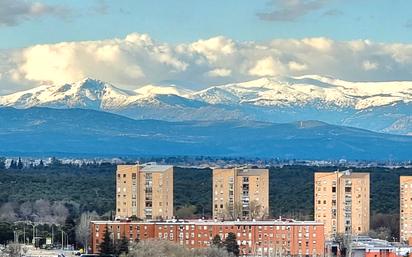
240	193
342	202
405	209
144	191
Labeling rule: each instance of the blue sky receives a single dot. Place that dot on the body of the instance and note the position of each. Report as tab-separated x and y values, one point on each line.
201	43
177	21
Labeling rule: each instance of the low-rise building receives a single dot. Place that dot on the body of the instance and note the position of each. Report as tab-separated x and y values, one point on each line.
255	238
364	246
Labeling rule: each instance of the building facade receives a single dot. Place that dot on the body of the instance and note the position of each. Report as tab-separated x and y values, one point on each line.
364	246
405	209
255	238
240	193
144	191
342	202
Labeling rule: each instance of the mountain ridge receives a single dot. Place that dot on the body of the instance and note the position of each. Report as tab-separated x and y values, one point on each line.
378	106
42	131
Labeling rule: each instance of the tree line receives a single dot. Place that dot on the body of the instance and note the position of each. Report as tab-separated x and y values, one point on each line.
88	188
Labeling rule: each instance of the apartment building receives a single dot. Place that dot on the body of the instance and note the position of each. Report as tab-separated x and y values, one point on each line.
144	191
255	238
342	202
405	209
240	193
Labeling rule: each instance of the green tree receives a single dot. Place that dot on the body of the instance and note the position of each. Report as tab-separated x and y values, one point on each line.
217	241
122	246
13	165
2	163
70	228
106	246
6	232
41	165
20	164
55	162
231	244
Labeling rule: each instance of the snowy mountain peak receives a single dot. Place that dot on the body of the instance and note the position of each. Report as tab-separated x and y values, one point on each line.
87	93
286	99
312	90
150	90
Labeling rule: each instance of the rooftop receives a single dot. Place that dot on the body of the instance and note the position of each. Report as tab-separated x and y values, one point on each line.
153	167
251	172
284	222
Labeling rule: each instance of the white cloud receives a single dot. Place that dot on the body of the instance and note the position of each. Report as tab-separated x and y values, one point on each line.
319	43
291	10
368	65
219	73
295	66
213	47
266	67
12	12
137	60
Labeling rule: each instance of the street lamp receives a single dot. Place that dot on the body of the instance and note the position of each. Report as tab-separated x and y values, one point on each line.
34	225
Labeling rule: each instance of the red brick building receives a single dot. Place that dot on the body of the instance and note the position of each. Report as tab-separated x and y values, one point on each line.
262	238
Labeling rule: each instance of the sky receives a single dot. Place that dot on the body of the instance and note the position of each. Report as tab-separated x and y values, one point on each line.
196	43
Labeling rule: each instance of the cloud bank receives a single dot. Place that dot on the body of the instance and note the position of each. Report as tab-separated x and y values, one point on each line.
137	60
12	12
291	10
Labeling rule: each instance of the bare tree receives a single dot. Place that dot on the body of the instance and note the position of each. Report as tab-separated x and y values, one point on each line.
83	228
383	233
264	214
26	210
212	252
7	212
60	213
255	209
233	212
159	248
42	210
13	250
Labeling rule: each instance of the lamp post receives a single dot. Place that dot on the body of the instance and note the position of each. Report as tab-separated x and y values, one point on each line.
67	238
34	225
15	236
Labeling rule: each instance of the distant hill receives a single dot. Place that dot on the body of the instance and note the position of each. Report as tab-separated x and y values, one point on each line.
79	131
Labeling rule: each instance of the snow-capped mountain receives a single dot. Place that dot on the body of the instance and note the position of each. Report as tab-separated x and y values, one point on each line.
301	91
88	93
379	106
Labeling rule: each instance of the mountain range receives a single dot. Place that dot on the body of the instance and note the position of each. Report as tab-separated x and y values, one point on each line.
378	106
50	131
